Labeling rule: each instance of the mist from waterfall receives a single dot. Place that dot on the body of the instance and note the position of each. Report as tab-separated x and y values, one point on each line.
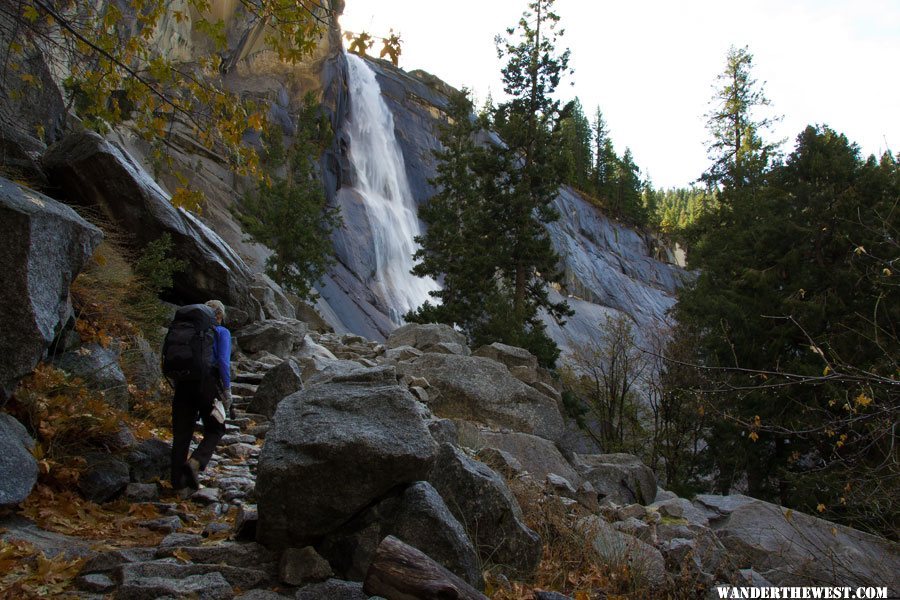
380	178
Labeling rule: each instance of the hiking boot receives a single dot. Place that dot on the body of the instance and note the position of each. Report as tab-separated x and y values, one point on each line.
192	474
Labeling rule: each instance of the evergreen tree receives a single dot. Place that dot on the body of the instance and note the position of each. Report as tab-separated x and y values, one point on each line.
626	202
604	156
456	245
289	213
739	154
800	282
486	231
575	134
526	123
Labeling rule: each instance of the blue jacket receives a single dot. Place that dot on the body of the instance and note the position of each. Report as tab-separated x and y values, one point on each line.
222	352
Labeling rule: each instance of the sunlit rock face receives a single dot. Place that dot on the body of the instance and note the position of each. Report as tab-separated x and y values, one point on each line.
609	270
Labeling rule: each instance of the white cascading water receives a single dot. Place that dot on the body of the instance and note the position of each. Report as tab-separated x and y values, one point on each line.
381	180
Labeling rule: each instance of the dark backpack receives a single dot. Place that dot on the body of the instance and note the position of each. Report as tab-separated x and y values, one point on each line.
187	353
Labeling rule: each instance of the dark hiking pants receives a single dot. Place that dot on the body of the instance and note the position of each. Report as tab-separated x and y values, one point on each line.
187	404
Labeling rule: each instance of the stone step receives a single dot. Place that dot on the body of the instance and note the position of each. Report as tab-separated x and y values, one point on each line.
248	377
243	389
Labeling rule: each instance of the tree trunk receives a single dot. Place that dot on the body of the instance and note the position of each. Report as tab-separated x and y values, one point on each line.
400	572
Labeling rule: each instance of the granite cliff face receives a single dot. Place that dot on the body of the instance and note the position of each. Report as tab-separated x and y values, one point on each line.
609	269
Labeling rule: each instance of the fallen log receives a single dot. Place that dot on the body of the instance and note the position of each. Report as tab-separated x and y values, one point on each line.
401	572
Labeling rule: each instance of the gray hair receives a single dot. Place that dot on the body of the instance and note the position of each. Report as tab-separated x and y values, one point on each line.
218	307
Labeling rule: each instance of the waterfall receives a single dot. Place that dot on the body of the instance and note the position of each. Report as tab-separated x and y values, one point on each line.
380	177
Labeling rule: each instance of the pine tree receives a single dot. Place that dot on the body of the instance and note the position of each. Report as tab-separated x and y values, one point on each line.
603	155
739	154
575	134
486	229
800	281
527	121
456	245
289	214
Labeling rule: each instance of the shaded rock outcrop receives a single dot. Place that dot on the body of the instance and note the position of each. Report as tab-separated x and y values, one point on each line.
45	245
538	456
417	516
480	499
97	173
792	548
618	478
373	434
99	368
18	467
281	381
482	390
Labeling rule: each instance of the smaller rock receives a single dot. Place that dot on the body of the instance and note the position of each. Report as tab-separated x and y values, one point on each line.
333	589
99	368
104	478
421	336
303	565
206	495
142	492
163	524
241	450
631	511
150	460
561	485
420	394
276	336
174	540
18	467
95	582
541	595
209	586
444	430
637	528
501	461
215	528
278	383
402	353
448	348
508	355
245	522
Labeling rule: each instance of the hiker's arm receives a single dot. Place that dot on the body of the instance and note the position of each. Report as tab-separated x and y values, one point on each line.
223	356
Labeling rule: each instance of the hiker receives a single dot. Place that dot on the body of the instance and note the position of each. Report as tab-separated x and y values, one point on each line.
196	358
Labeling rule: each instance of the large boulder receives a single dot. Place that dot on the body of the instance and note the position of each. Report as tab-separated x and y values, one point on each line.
18	467
792	548
419	517
479	498
100	174
276	336
618	478
536	455
425	337
370	432
45	245
281	381
99	368
482	390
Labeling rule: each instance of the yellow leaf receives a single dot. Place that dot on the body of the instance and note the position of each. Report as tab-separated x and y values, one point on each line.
820	507
862	400
826	371
30	13
754	436
182	555
788	514
887	272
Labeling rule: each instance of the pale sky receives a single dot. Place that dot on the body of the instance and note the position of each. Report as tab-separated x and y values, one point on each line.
651	64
